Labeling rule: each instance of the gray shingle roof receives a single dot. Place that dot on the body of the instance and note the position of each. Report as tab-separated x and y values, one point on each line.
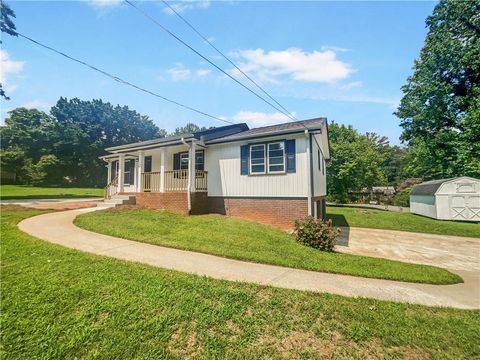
428	187
290	127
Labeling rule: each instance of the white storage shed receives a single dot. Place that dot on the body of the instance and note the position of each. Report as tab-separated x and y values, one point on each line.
447	199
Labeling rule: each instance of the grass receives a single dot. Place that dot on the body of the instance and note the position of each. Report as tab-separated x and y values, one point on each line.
392	220
240	239
58	303
23	192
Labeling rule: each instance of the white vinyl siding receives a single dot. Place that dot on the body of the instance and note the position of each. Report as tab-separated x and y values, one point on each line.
223	165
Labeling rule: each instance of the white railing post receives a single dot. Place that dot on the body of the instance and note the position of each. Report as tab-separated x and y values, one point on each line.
162	170
121	172
141	166
191	167
109	172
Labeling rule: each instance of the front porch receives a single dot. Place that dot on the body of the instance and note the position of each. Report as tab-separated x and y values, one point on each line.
178	168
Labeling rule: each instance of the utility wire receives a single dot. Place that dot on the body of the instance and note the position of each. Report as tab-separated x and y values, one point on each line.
227	58
144	13
120	80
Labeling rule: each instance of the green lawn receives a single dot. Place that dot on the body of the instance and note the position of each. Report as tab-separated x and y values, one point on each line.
58	303
392	220
22	192
239	239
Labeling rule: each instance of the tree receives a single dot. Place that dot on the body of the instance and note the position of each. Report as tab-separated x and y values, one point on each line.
7	26
440	108
355	162
188	129
86	128
67	143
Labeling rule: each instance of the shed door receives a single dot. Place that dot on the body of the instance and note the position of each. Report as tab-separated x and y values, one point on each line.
465	207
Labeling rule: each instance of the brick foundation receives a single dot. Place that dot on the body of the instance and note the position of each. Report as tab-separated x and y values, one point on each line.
172	201
279	212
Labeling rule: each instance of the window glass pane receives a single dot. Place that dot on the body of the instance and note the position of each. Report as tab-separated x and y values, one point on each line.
257	158
184	161
276	157
276	161
258	168
276	168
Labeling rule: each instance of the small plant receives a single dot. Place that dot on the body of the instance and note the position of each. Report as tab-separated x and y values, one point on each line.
318	234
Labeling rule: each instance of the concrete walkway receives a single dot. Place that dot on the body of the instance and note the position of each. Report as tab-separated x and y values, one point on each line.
58	228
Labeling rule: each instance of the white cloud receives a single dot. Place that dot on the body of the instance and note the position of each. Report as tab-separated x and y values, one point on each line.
102	4
256	119
352	85
186	5
316	66
334	48
179	72
203	72
37	104
8	67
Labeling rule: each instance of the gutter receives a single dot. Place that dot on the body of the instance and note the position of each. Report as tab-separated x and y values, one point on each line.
310	170
189	198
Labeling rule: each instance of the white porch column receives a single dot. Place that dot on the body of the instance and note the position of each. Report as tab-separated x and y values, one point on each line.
162	169
121	171
109	171
191	167
140	169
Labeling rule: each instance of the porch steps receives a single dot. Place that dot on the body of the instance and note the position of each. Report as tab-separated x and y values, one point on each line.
117	200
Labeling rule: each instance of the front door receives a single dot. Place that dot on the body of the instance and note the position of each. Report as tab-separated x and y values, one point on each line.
129	176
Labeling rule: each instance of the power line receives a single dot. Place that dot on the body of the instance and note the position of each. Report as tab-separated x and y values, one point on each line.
205	58
226	58
122	81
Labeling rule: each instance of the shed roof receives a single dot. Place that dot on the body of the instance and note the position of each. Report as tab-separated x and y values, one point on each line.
428	187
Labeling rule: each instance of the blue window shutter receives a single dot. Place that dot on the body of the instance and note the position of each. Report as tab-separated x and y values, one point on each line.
290	152
244	159
176	161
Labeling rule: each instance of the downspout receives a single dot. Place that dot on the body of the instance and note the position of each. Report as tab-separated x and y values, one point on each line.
310	171
189	200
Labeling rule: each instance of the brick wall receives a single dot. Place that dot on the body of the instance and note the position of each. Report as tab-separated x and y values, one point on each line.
172	201
279	212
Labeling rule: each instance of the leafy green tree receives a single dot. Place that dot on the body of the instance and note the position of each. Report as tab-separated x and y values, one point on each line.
355	162
6	26
86	128
188	129
440	108
29	130
67	143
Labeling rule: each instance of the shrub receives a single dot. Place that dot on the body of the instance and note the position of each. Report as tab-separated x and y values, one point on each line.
318	234
402	197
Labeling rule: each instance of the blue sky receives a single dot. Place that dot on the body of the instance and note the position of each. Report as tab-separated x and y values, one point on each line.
343	60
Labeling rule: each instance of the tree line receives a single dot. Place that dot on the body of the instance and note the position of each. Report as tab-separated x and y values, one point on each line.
62	147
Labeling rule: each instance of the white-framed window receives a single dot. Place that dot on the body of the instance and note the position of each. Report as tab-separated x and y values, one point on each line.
184	161
276	157
199	160
257	159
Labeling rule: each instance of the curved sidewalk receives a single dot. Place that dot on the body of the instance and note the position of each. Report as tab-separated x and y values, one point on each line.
58	228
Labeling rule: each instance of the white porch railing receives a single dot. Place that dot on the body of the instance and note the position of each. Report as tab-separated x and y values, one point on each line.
111	189
174	180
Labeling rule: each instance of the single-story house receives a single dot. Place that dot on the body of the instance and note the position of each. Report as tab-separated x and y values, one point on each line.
273	174
447	199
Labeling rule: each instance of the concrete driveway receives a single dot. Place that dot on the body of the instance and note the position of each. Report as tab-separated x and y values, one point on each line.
451	252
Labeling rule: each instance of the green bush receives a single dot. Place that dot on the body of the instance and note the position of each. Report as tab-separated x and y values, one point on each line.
402	198
316	233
